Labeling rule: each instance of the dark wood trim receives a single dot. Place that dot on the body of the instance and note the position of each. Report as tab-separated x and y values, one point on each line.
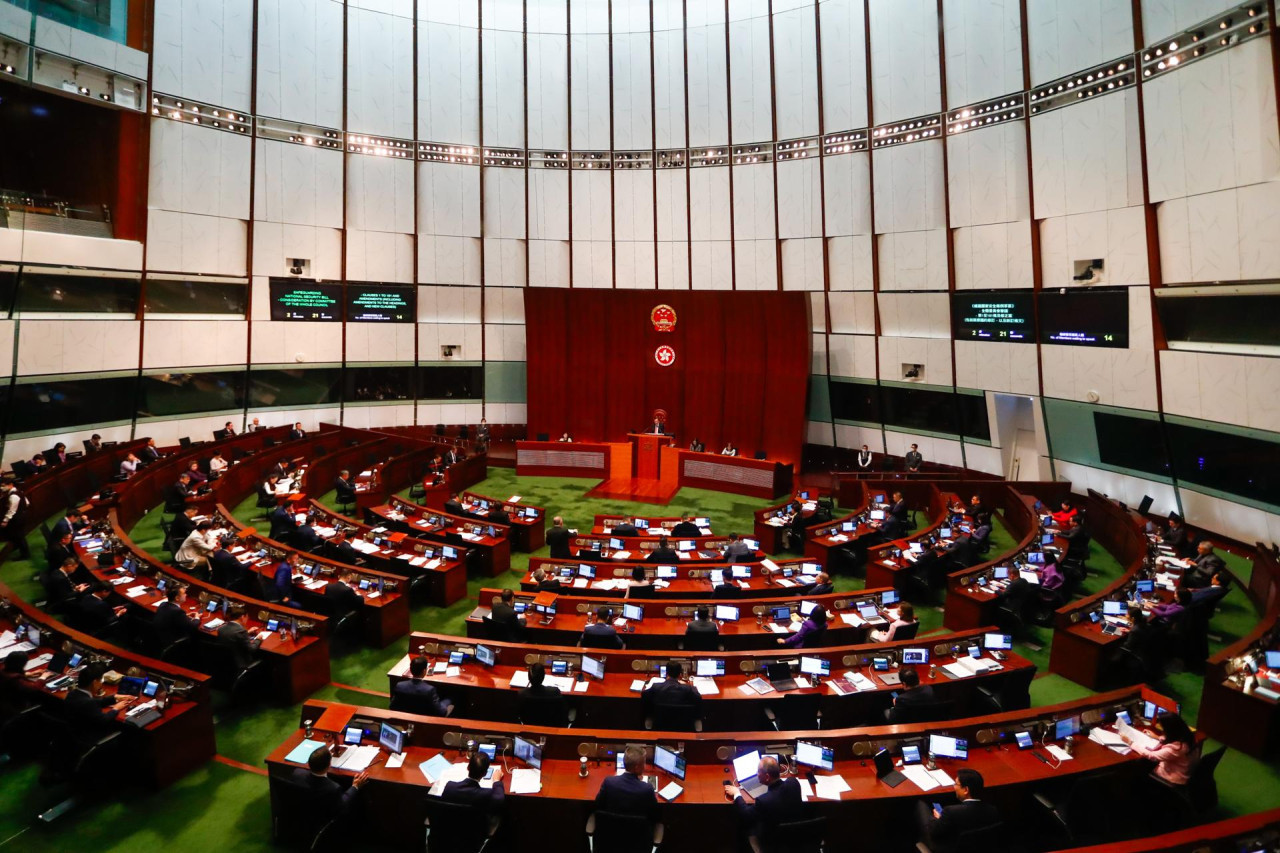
822	201
568	129
613	190
653	145
346	189
484	332
871	190
1037	271
728	111
250	232
773	120
688	151
417	236
946	187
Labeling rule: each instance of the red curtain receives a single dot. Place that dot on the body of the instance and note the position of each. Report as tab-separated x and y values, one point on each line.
741	371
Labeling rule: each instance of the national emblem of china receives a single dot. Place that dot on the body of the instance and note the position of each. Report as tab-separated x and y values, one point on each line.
663	318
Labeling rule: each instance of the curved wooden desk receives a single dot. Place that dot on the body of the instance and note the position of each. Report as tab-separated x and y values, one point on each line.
611	579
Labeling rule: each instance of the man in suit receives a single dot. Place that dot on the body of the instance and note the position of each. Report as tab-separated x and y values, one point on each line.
697	446
237	636
183	525
658	427
600	633
453	506
341	595
74	522
504	620
864	458
498	515
979	511
1209	596
702	623
895	523
1175	536
171	621
780	804
86	703
664	553
297	432
538	702
628	794
737	551
93	614
558	539
225	570
228	430
59	549
944	827
280	470
821	585
281	589
338	548
672	692
414	695
150	453
468	792
283	523
305	538
913	459
327	798
94	444
175	497
345	488
912	695
60	585
1205	565
546	582
13	509
624	528
686	528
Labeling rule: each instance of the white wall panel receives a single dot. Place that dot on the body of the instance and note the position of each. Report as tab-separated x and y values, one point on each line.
592	206
548	204
802	264
799	198
844	64
449	260
448	77
298	184
909	187
588	83
300	60
751	104
504	262
504	203
448	199
378	342
1163	18
633	204
632	93
668	74
1233	389
915	315
905	73
380	73
795	76
993	256
201	50
502	53
275	243
1121	487
62	346
548	89
753	211
984	49
853	312
379	256
1118	237
194	343
1243	523
379	194
708	74
465	338
278	343
1221	236
1068	35
994	366
709	203
856	436
1086	157
987	171
449	305
198	170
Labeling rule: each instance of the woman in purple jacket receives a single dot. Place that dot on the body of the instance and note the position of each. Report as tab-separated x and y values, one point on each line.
815	624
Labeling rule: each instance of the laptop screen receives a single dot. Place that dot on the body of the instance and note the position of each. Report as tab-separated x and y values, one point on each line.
484	654
877	515
890	597
709	667
1273	660
781	614
949	747
593	667
615	544
815	755
669	760
806	607
944	532
998	641
847	526
1146	586
642	524
1046	539
1113	608
1001	573
746	765
868	611
352	735
587	571
717	577
726	613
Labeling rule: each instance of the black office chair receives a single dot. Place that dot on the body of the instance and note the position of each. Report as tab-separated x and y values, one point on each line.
795	712
622	833
548	710
344	624
760	454
907	632
1190	803
23	469
295	820
930	712
1079	817
1011	606
242	684
542	436
701	642
456	828
988	839
798	836
816	639
79	763
673	718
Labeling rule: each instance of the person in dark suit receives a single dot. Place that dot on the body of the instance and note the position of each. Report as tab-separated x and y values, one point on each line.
498	515
686	528
943	828
658	427
912	695
558	539
702	623
184	524
600	634
664	553
780	804
171	621
327	797
737	551
73	523
895	523
341	595
282	580
546	582
624	528
1208	596
280	470
345	488
283	523
898	509
697	446
628	794
93	614
1204	567
150	453
86	702
228	430
538	701
821	585
297	432
59	549
450	457
414	695
864	458
305	538
61	586
913	459
338	548
454	506
237	636
503	618
225	570
175	497
672	692
1175	536
468	792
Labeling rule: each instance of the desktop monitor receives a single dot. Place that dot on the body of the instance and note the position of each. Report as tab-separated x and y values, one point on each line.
815	755
33	635
1046	539
1001	573
151	688
780	613
726	613
485	655
890	597
806	607
615	544
633	612
1067	727
848	526
489	749
642	524
1146	587
1113	608
804	496
944	532
586	571
669	760
998	641
740	573
1035	558
666	573
521	606
708	667
211	606
878	499
916	656
593	667
702	521
877	515
130	686
753	544
364	583
273	624
815	666
391	739
456	658
352	735
528	752
810	568
493	532
686	545
717	577
450	552
948	747
880	664
1150	709
1273	660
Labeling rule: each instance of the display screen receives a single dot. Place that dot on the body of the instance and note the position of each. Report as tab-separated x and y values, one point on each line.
1093	317
993	315
1129	442
381	304
1242	465
1240	319
305	300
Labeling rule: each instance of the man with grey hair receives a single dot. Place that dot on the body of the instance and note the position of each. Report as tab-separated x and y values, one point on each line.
780	804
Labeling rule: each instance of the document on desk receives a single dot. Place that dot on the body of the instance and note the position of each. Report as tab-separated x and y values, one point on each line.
940	776
401	667
853	619
706	686
514	499
581	687
1141	739
830	787
621	555
564	682
434	767
300	753
525	780
684	555
356	758
1110	740
580	583
452	671
920	777
860	681
1058	752
776	628
957	670
806	790
394	762
637	685
786	582
670	792
136	591
520	678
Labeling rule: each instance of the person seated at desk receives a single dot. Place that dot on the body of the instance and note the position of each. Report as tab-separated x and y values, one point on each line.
224	569
150	453
73	523
94	444
1065	514
544	582
58	455
283	523
913	459
454	506
236	635
539	703
1168	611
305	538
737	551
498	515
281	588
297	432
194	553
327	798
341	594
59	549
346	490
175	497
895	522
628	794
1205	565
697	446
280	471
1174	753
943	828
906	617
86	702
504	622
338	548
821	585
686	528
228	430
60	587
171	622
640	585
565	437
93	614
781	803
1051	577
468	791
811	632
451	456
664	553
1175	536
864	458
38	464
415	695
600	634
558	539
1209	596
978	511
702	623
267	491
624	528
729	450
255	426
129	465
671	691
912	695
197	477
217	465
182	525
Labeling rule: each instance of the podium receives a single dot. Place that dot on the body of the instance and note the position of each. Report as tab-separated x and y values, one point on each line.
648	450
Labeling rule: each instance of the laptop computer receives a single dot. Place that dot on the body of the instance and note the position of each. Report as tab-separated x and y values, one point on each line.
745	768
779	675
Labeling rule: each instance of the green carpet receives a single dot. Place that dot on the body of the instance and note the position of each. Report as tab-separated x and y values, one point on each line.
221	807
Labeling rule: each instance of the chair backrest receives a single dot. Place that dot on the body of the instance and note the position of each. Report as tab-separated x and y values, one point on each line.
923	713
1201	787
702	642
455	827
907	632
543	710
797	836
760	454
598	641
295	817
986	839
675	718
815	639
623	833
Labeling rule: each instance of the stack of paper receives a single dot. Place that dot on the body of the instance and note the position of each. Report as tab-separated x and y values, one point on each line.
776	628
356	758
706	686
1137	738
957	669
830	787
806	790
135	591
670	792
853	619
520	678
581	687
786	582
525	780
621	555
920	777
1058	752
434	767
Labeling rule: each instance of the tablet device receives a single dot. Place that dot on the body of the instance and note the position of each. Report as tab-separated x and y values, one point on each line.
915	656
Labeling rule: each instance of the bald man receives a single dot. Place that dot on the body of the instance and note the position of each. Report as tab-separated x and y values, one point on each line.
780	804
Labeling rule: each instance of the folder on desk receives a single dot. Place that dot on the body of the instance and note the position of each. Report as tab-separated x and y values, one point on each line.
300	753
